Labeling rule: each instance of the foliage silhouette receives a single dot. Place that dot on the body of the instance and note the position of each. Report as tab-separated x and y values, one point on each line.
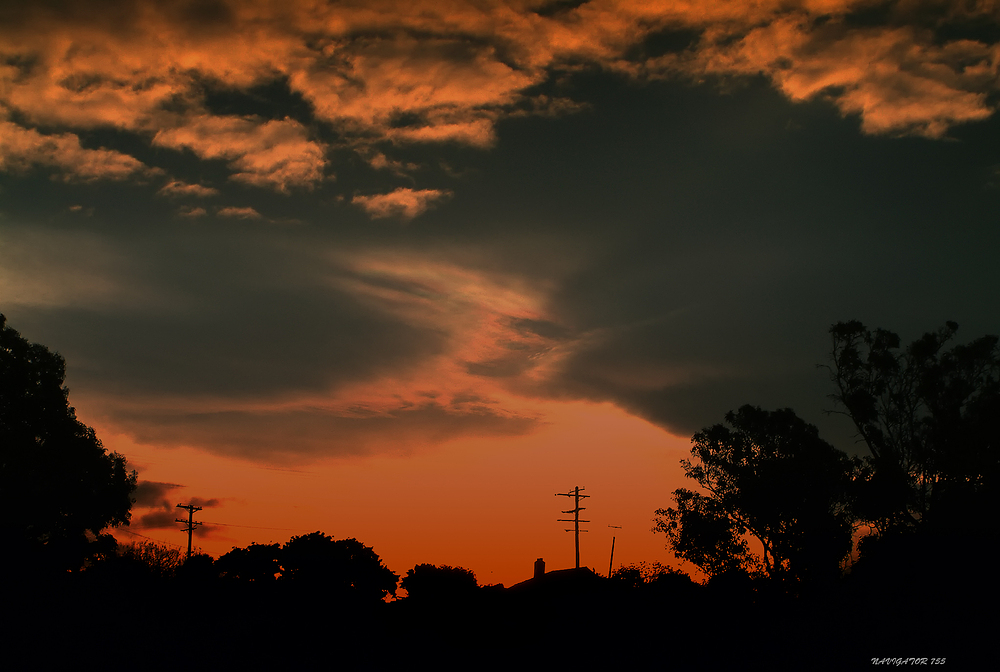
257	563
770	478
162	561
927	416
428	582
59	487
200	567
138	562
343	568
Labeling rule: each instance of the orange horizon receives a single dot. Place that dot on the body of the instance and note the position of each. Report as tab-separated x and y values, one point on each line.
485	504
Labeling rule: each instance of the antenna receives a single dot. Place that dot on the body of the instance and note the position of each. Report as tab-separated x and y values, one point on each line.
611	563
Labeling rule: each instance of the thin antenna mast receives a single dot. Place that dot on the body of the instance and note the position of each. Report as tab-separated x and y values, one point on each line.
611	562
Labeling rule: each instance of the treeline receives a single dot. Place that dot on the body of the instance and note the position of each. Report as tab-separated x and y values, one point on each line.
345	570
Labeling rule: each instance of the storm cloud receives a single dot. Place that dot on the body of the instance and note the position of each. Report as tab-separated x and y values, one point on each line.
663	206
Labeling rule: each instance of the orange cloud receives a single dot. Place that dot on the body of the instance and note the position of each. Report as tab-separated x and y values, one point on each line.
238	213
181	189
188	211
446	71
22	148
896	79
264	153
403	202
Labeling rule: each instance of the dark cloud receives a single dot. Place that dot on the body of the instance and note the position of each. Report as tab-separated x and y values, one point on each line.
152	493
165	514
684	246
731	242
166	517
302	436
239	319
543	328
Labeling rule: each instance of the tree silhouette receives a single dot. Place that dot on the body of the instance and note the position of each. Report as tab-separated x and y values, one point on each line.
139	562
769	479
59	487
426	581
928	417
257	563
344	568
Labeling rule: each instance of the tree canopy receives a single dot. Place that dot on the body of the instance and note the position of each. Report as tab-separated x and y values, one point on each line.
340	568
776	503
426	581
257	563
59	487
927	415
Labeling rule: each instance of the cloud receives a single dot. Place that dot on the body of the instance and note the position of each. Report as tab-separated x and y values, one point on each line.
188	211
275	154
47	269
447	72
22	148
267	337
380	161
276	327
238	213
178	188
166	515
303	435
404	202
152	493
896	79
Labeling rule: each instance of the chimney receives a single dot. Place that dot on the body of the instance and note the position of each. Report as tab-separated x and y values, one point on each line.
539	568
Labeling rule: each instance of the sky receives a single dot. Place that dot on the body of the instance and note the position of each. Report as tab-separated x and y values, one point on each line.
403	271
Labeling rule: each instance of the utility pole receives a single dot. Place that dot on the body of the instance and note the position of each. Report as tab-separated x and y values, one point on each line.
575	494
611	563
191	524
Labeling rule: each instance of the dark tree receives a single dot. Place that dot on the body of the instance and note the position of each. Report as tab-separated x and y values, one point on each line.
343	568
776	502
59	487
139	562
257	563
425	582
927	415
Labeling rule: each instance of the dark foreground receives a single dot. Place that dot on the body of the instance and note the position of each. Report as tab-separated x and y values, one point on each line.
590	624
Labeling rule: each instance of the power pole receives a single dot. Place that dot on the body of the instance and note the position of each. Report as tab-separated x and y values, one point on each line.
575	494
611	562
191	524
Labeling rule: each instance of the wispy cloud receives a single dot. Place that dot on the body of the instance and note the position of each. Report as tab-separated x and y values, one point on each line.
191	212
178	188
404	202
238	213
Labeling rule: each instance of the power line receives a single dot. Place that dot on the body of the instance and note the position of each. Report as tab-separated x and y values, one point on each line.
136	534
254	527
